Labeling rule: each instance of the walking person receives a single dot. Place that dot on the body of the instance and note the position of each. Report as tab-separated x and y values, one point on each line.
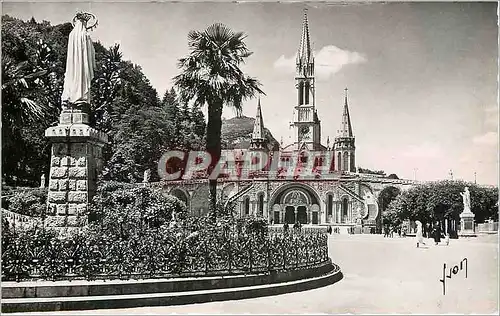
420	236
436	232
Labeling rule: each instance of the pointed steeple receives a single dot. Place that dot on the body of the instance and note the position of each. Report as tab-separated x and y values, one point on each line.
345	127
258	126
305	58
305	52
258	135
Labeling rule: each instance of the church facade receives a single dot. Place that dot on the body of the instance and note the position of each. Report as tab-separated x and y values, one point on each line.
341	197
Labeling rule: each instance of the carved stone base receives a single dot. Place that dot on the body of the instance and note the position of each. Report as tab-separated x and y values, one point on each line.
73	117
467	225
75	162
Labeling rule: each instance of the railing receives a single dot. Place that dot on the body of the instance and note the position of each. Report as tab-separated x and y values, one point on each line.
20	220
490	227
304	230
150	258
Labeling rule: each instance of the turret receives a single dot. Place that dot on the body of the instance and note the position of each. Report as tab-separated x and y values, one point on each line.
344	147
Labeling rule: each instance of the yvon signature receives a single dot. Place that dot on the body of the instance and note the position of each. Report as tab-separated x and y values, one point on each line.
454	270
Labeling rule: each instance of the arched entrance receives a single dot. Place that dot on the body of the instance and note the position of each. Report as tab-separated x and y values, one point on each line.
295	202
302	214
290	215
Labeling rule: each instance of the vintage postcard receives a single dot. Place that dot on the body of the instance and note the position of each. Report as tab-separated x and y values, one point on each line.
249	157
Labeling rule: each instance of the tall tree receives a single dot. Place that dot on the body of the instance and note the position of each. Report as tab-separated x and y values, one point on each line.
171	106
32	67
211	75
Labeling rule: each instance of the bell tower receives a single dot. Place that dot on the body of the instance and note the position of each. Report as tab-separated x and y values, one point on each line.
305	121
343	146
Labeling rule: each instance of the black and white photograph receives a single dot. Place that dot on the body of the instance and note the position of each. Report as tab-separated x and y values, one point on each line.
260	157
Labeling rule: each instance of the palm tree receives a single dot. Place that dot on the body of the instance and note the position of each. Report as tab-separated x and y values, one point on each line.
211	75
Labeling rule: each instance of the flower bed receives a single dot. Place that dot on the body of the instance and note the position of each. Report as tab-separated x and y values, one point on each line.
165	252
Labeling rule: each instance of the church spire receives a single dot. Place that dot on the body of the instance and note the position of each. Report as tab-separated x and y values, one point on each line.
258	135
305	58
345	127
305	52
258	126
344	147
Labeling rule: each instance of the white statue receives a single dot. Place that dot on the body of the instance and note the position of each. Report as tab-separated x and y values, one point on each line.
42	181
466	200
359	217
80	62
147	175
173	221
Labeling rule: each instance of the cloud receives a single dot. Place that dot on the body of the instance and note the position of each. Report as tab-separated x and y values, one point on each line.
328	61
490	138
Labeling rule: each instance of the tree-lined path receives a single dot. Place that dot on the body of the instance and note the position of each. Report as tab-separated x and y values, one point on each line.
381	275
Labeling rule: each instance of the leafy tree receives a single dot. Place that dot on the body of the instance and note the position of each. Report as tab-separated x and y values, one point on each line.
198	120
441	200
211	75
106	85
386	196
377	172
139	142
33	55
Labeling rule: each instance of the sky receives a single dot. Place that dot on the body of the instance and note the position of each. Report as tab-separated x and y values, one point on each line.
422	77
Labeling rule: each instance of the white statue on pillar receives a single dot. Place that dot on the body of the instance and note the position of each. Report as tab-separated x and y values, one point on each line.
147	175
80	63
42	181
466	200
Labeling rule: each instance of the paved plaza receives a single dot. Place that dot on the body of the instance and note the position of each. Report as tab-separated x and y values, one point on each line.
381	275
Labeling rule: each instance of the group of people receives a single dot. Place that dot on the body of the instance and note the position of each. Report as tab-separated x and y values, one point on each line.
389	231
435	234
297	226
331	230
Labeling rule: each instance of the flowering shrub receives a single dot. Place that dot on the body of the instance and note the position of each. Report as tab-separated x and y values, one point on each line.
29	201
123	210
252	225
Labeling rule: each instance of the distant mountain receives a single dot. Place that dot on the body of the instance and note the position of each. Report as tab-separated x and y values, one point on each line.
237	134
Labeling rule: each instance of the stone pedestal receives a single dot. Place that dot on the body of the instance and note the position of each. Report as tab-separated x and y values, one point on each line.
76	160
467	224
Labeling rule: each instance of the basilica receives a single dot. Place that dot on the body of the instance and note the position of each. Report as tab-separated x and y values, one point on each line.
342	197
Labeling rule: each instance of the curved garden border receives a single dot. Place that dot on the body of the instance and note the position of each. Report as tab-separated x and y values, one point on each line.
81	295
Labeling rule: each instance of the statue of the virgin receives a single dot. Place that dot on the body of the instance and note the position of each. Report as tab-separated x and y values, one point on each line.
80	63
